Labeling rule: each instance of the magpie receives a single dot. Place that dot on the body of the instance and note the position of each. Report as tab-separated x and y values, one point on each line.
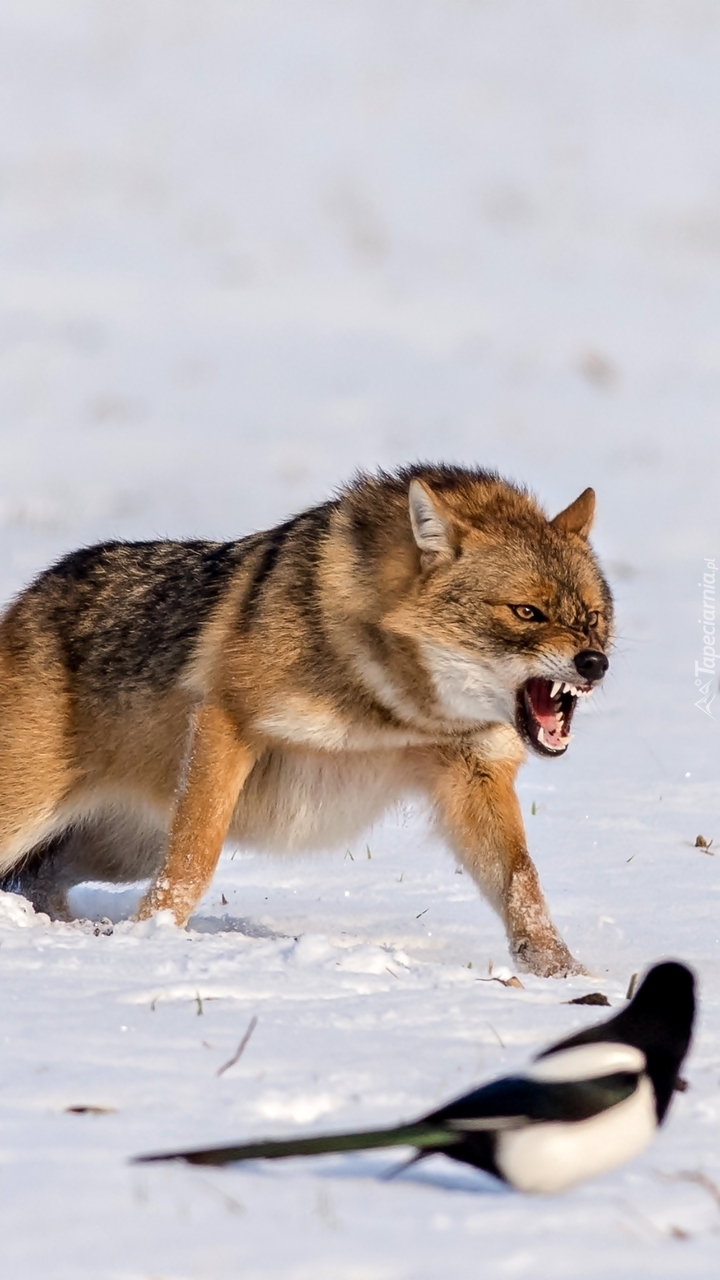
584	1105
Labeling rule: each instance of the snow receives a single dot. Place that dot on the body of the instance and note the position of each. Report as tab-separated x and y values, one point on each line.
247	249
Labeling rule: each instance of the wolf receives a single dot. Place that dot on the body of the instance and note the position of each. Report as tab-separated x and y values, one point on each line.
413	636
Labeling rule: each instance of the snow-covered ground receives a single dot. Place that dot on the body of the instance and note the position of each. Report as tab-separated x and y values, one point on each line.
247	248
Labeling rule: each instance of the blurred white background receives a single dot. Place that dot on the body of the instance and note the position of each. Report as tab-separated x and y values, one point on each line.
248	247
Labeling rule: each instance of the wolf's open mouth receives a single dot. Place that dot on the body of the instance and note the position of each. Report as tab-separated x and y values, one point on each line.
545	711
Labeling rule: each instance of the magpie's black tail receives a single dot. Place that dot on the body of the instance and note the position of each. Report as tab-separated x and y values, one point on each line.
426	1137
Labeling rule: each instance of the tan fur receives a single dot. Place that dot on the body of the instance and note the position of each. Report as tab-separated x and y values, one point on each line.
287	689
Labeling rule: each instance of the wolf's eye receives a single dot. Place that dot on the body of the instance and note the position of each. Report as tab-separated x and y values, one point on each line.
593	618
528	613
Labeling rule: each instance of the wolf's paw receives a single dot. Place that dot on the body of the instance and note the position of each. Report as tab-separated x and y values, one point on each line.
544	959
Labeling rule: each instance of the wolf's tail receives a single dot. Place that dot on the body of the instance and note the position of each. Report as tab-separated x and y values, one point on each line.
426	1137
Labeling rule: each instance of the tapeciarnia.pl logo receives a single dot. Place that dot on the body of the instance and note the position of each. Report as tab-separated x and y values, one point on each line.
705	671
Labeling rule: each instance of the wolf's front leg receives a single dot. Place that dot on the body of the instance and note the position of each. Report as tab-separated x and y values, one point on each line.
481	816
216	769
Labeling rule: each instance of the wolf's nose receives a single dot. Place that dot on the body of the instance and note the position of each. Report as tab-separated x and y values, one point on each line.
590	664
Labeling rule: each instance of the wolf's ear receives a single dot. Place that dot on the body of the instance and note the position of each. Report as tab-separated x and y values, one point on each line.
578	517
431	527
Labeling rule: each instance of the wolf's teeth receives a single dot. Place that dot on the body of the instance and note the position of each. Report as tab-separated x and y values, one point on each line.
568	738
541	737
556	685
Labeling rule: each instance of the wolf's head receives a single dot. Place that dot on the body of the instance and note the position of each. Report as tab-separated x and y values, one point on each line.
507	610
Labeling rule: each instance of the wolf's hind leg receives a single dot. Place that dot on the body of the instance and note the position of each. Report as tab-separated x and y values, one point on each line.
36	777
480	814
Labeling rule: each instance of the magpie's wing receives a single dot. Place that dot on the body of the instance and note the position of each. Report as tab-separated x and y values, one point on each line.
658	1021
518	1100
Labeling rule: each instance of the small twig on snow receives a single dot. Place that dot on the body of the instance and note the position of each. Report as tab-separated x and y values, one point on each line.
512	981
695	1175
240	1049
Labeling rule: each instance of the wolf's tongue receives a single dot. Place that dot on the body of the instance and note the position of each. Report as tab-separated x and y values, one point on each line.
542	705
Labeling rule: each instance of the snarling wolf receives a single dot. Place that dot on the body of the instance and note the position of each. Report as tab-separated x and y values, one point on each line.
411	636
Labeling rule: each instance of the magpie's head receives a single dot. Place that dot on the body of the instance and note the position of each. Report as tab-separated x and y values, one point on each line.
658	1021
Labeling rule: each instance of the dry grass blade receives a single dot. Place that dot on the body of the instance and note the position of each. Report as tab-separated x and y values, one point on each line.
240	1049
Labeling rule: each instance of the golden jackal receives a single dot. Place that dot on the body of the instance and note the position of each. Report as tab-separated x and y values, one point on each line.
407	637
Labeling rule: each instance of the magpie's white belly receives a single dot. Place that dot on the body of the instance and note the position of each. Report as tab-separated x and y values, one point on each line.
553	1156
